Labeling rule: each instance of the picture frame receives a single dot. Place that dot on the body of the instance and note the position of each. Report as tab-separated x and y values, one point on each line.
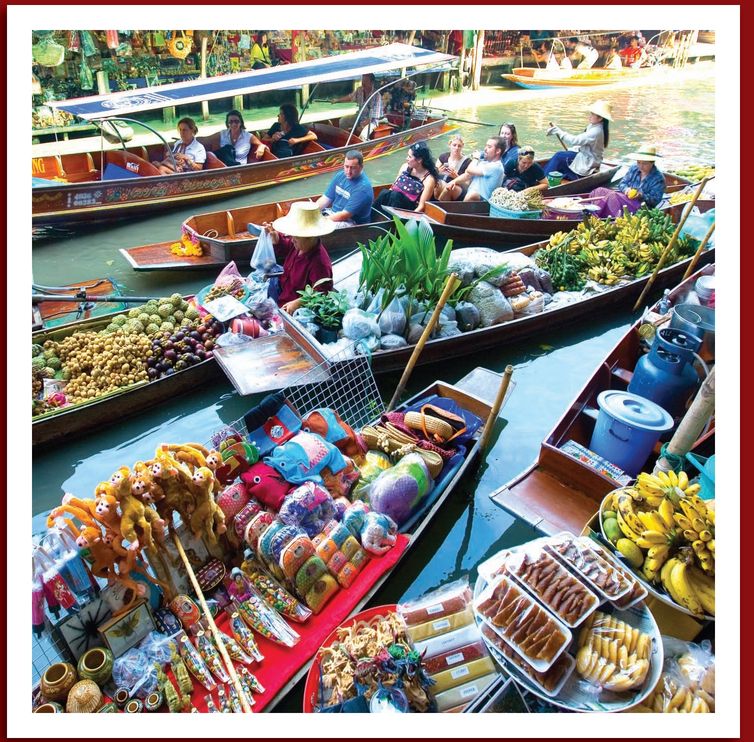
80	631
124	631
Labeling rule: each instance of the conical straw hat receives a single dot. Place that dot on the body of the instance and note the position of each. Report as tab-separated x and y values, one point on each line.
602	108
304	220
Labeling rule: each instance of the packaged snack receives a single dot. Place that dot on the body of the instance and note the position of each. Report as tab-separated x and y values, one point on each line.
550	681
256	526
553	584
637	593
295	554
447	642
462	674
448	599
321	591
195	663
612	654
530	629
463	694
494	566
438	626
454	657
585	561
309	573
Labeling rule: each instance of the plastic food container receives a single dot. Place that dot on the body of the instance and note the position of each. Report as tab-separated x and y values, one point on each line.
637	593
461	674
463	694
705	290
455	657
627	428
438	626
446	642
554	178
447	600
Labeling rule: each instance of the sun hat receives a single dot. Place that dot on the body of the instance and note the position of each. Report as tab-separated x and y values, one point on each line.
304	220
602	108
646	152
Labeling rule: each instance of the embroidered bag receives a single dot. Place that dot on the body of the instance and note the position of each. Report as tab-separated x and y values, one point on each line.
409	186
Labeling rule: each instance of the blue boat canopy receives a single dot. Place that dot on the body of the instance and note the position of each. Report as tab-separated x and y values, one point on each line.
339	67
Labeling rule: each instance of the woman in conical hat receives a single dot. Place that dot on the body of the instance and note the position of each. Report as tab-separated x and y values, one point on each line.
642	184
299	249
585	155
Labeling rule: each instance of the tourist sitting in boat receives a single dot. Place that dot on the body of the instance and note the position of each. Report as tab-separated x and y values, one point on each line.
366	116
589	145
348	199
451	164
260	53
613	60
287	137
415	183
524	173
559	61
509	135
189	154
634	55
299	249
583	50
236	142
642	184
481	176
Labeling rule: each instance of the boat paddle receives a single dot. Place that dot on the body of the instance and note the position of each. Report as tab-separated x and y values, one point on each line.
670	244
562	143
484	439
37	298
450	287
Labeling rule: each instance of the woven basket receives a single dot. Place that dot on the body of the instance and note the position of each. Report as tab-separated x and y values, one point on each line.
432	425
499	211
390	440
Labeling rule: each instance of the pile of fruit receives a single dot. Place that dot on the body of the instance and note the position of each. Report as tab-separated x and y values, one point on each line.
610	250
157	315
680	197
235	287
666	532
174	352
526	200
694	172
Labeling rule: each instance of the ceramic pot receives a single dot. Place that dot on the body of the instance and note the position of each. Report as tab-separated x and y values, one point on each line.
121	697
96	665
134	706
49	708
108	708
84	698
57	680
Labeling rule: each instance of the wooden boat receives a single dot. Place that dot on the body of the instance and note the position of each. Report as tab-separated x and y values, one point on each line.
470	222
540	77
93	187
523	327
53	313
559	492
224	237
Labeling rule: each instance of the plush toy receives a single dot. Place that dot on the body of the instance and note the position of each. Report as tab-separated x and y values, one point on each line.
207	517
193	454
304	457
328	424
266	484
143	484
341	483
173	478
397	491
378	534
236	456
232	500
309	506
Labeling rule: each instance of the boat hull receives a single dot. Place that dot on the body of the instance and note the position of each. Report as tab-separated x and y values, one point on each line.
535	78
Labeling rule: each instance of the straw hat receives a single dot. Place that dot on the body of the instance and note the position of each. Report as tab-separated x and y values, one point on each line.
602	108
646	152
304	220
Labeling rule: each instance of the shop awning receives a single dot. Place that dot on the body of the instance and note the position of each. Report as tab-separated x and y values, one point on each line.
339	67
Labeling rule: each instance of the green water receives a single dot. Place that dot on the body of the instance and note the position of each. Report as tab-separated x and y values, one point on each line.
548	370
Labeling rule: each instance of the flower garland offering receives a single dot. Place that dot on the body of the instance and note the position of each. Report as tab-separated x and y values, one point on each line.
187	246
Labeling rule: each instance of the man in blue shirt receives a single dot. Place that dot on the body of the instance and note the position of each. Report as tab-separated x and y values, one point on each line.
348	199
481	176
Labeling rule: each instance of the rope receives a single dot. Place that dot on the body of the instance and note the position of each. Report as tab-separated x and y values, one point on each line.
676	462
208	233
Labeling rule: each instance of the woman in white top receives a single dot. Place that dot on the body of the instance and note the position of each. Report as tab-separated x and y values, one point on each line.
587	148
236	136
189	154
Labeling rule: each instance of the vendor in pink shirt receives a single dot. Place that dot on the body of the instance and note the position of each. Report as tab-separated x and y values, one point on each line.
299	249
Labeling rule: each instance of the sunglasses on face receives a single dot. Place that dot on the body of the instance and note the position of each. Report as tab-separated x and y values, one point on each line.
527	153
233	121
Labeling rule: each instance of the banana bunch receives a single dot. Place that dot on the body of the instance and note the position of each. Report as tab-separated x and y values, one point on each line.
698	524
613	654
694	172
687	585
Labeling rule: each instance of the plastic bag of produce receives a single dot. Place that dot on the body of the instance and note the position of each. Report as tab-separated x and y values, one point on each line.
368	345
534	305
530	278
392	321
697	225
492	305
447	314
263	258
392	341
448	329
545	280
358	324
467	316
307	318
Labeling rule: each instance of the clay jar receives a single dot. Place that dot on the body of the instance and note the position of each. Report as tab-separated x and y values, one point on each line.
84	698
49	708
57	680
96	665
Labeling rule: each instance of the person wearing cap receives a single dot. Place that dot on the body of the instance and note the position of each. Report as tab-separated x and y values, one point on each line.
348	199
587	148
524	172
299	249
642	184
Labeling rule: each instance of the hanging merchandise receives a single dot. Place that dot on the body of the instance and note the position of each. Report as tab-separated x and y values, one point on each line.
87	44
61	545
137	40
74	41
55	589
112	39
179	45
124	49
36	86
86	79
244	41
158	39
48	52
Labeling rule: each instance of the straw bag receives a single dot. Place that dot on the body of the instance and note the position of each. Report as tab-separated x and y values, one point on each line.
48	53
179	46
437	424
398	444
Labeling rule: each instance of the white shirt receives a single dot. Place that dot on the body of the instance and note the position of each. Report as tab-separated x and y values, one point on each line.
195	151
242	146
374	110
589	145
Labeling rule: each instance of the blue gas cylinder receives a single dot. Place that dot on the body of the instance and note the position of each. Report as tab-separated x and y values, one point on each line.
666	374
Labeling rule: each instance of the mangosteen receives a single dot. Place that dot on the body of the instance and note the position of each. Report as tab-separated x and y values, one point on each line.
160	366
180	365
152	373
196	335
171	355
195	359
180	335
151	361
169	372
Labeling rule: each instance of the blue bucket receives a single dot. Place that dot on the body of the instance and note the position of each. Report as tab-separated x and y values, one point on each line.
627	428
706	469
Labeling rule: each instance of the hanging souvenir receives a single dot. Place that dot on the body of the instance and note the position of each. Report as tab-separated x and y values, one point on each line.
112	39
87	44
56	590
47	52
179	45
158	39
86	79
124	49
60	544
74	41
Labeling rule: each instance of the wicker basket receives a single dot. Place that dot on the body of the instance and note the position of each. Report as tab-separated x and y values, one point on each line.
432	425
502	213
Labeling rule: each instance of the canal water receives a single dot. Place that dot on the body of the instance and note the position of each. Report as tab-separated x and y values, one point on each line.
548	370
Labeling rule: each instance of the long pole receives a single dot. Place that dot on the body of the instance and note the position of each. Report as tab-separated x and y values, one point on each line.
484	439
562	143
212	626
450	287
698	252
670	244
203	74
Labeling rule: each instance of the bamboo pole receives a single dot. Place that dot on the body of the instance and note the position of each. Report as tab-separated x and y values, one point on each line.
484	439
670	244
562	143
450	287
692	424
213	627
698	252
203	74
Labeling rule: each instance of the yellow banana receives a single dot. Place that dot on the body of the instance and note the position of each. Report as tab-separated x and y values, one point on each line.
705	535
664	478
711	546
628	532
679	579
626	509
683	480
683	521
698	524
652	521
698	504
704	588
692	489
666	511
659	552
673	477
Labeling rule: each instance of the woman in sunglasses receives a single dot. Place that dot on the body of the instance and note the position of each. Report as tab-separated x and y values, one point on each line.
524	172
236	142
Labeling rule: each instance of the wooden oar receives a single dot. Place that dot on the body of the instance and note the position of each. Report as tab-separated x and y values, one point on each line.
37	298
455	118
698	252
213	627
670	244
484	439
450	287
562	143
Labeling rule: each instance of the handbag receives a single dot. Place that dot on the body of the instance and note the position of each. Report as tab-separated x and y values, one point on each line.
227	154
244	42
437	424
409	186
398	444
